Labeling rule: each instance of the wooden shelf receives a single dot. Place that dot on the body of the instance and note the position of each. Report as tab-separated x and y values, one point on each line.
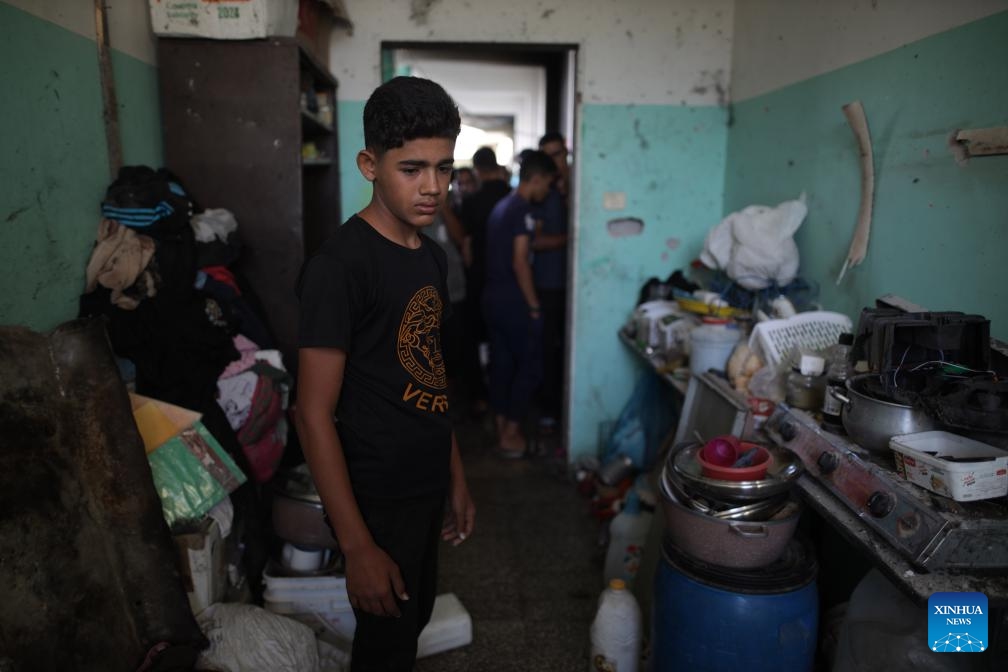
311	123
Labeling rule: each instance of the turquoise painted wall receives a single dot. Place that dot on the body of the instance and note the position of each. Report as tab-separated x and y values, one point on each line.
938	232
53	161
670	162
355	191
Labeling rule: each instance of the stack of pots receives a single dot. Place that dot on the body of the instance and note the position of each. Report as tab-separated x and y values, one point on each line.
299	521
739	524
735	586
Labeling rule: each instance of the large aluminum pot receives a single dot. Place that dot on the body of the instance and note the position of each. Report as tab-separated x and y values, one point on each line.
871	422
297	511
728	543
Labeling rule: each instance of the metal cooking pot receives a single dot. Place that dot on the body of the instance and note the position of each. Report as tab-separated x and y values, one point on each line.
871	422
297	511
728	543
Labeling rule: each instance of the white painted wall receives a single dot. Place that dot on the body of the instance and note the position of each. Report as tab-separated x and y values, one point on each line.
780	42
634	51
128	22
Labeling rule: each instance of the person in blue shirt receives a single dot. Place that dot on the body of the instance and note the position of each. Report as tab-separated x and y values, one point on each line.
511	306
549	271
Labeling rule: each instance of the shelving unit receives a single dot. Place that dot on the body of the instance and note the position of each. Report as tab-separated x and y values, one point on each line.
237	115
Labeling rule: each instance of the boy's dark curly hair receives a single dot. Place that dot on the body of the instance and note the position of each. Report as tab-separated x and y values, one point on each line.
407	108
535	162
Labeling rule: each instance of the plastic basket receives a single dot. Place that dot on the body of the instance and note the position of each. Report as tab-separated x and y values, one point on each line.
773	339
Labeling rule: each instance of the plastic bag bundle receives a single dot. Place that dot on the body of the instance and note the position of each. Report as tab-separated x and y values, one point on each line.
755	247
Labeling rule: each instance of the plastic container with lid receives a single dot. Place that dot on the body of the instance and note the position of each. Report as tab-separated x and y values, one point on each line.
806	383
711	346
616	630
627	534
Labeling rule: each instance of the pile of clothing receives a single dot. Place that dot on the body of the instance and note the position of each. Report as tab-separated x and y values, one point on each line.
182	320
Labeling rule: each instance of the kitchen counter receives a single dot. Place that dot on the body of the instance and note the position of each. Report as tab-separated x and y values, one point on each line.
917	584
656	363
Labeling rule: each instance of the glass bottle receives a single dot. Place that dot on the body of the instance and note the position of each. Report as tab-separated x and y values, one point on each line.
836	381
806	384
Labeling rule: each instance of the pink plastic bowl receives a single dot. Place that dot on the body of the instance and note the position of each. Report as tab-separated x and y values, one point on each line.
754	472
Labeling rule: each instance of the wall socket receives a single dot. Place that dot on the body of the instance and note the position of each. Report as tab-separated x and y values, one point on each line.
614	200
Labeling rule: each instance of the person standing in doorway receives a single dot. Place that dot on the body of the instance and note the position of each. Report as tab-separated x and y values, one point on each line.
373	300
511	306
550	274
476	208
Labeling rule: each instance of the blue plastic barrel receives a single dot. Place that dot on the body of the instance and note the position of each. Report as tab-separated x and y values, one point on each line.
713	619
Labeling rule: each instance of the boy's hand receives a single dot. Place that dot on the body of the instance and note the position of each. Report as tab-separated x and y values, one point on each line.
460	516
373	582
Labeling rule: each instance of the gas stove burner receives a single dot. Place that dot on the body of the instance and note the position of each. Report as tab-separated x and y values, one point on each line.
976	404
930	531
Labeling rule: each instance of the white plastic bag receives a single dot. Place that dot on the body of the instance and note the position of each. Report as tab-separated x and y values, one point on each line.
754	246
247	638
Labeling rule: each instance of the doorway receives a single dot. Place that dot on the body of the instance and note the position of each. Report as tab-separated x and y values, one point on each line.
509	96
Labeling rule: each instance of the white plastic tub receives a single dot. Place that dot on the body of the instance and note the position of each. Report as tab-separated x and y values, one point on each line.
321	603
710	347
951	465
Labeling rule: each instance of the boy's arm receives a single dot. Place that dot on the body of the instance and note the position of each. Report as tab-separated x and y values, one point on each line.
373	579
461	515
523	272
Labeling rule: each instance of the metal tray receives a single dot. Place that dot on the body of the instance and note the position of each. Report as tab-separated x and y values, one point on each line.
781	475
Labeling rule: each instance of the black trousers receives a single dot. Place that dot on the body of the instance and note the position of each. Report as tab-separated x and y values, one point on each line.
553	302
409	530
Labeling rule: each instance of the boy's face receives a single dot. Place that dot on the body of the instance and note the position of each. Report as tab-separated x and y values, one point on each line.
411	182
540	186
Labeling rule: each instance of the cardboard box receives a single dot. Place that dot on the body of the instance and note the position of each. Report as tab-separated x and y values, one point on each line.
204	566
951	465
224	19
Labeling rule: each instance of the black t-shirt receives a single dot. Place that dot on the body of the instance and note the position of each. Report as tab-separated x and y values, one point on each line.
383	304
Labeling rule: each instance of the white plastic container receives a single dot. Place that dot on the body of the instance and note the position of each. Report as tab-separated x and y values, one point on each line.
935	460
450	627
710	347
224	19
320	602
628	531
616	631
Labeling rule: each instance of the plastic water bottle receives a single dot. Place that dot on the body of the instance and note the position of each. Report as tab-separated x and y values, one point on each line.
616	631
627	534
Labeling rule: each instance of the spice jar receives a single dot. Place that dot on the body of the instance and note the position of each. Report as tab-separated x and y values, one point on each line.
806	384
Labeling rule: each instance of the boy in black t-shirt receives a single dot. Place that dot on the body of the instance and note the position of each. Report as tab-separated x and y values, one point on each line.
372	304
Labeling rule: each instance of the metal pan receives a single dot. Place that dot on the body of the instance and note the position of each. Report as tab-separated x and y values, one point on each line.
781	475
765	509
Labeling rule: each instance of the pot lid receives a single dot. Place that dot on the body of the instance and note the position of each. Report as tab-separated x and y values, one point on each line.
780	476
297	483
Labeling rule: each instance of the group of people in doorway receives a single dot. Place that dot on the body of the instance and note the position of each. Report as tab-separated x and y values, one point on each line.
509	249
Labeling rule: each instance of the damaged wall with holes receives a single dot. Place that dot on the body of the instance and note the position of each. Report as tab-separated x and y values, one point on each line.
938	222
53	157
652	77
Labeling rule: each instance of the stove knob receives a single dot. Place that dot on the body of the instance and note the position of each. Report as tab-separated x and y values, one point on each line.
828	462
787	430
881	504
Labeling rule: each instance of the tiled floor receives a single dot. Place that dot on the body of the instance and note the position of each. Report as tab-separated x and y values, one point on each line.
531	574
